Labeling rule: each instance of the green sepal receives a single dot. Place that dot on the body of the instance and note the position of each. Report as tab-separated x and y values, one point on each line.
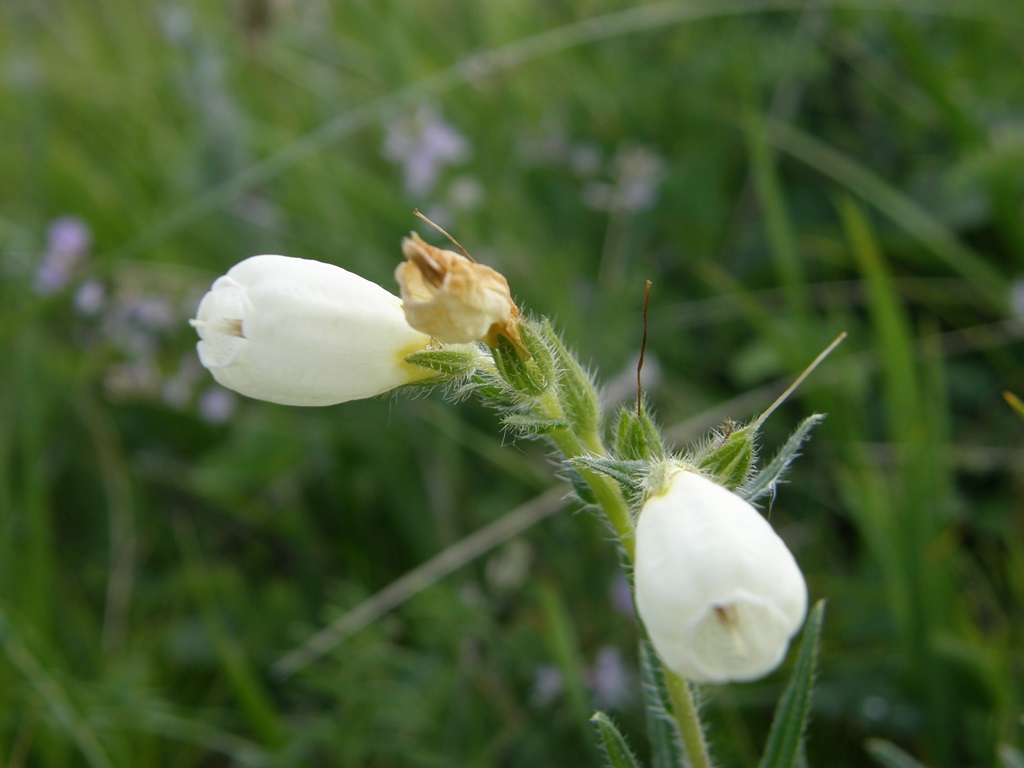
786	737
662	729
531	426
636	436
888	755
576	390
617	753
533	374
763	482
631	475
729	456
580	486
453	362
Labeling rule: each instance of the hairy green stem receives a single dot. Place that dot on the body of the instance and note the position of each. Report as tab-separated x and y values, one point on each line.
577	440
690	727
607	493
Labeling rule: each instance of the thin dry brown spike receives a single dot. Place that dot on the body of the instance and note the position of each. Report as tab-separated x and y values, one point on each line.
643	350
799	379
455	242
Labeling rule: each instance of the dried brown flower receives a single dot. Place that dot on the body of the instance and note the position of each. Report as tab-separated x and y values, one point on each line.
454	299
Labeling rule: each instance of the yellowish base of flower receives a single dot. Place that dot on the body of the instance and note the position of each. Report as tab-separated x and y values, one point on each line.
414	373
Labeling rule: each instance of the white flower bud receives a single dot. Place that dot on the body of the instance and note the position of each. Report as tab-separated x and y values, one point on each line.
301	332
716	588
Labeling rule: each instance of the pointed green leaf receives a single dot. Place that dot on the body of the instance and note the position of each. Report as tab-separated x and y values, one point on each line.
662	730
617	753
764	482
629	474
888	755
581	487
532	375
785	739
454	361
576	390
636	436
729	456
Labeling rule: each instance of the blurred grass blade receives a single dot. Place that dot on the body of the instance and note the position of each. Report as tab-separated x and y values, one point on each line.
778	222
616	751
666	744
53	695
565	649
889	318
421	577
915	405
1015	403
253	698
785	740
901	209
888	755
764	482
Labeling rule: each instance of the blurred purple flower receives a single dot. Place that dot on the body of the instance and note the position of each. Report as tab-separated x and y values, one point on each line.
68	234
90	296
547	685
136	322
177	389
67	242
154	313
133	378
621	596
423	144
1017	298
609	679
217	405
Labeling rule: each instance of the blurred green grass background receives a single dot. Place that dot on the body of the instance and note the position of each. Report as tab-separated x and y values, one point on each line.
781	171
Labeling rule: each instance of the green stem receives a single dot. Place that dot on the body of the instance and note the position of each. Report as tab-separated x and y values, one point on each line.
688	720
583	438
606	491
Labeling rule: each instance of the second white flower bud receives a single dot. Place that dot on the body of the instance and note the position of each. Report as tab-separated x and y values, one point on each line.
718	591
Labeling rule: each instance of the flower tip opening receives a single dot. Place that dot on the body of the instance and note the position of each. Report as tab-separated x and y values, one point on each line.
717	589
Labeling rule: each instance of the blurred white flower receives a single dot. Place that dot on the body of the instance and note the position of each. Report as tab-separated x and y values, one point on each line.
636	176
716	588
301	332
466	193
585	159
423	144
